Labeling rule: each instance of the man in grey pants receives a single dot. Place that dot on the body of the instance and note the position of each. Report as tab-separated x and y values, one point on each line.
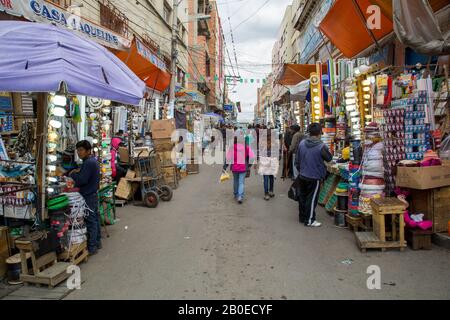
311	155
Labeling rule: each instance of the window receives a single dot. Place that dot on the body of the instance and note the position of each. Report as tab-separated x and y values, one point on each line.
62	3
167	11
112	18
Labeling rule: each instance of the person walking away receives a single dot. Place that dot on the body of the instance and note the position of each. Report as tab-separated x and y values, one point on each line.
286	146
311	154
296	139
87	179
294	129
240	155
268	164
118	171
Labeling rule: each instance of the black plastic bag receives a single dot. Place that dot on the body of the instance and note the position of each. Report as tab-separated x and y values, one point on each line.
294	191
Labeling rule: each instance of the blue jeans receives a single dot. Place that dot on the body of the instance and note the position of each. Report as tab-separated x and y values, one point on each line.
93	223
238	179
268	184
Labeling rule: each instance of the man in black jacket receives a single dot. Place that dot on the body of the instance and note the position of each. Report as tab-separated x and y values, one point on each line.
312	154
87	179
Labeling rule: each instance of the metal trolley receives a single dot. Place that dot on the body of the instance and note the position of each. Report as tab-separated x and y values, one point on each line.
152	186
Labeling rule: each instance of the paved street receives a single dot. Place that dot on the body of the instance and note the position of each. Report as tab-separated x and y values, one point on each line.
203	245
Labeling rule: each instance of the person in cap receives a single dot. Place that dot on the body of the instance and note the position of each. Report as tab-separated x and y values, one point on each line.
312	154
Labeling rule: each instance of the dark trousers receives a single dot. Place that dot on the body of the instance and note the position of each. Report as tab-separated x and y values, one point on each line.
268	184
308	198
93	223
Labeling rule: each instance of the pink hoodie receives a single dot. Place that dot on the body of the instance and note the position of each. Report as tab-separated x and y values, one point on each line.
237	157
115	142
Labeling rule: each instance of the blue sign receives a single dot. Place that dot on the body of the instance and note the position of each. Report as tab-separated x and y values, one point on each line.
228	107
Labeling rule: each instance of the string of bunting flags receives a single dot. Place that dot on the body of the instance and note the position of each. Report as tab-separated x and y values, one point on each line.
229	80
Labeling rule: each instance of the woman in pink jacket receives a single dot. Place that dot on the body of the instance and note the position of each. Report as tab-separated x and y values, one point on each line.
240	156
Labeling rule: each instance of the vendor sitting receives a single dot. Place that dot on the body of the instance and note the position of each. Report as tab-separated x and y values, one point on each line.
87	179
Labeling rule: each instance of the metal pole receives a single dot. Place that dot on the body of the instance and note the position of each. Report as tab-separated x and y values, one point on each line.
173	64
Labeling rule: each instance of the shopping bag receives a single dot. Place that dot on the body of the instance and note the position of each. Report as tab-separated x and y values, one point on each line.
225	176
293	191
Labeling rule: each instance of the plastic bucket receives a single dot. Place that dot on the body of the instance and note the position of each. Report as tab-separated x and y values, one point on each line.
342	203
339	218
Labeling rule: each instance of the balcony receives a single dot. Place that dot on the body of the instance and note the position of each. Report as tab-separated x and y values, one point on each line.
204	8
304	12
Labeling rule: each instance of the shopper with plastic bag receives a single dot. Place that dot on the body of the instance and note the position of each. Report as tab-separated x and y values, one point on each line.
269	163
241	157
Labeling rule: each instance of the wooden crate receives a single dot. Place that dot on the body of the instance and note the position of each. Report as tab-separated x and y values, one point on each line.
419	239
368	240
4	250
78	253
435	204
353	223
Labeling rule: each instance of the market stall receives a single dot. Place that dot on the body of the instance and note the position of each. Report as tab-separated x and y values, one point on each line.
72	81
385	125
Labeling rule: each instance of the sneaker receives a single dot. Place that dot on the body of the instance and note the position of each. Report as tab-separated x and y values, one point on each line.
271	194
266	197
240	200
99	246
315	224
93	252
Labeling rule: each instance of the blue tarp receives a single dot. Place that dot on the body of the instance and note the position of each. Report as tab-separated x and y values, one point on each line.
37	57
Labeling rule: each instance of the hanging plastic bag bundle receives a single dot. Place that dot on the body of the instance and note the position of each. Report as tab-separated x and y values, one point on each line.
225	176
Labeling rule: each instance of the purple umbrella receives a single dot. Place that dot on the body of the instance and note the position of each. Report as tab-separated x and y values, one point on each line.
37	57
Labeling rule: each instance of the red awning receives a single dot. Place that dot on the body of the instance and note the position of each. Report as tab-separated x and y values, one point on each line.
346	29
293	74
142	62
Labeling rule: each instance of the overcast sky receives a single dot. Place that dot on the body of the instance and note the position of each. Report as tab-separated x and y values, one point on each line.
254	40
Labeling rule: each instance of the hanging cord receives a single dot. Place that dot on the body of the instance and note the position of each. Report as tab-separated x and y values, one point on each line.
78	211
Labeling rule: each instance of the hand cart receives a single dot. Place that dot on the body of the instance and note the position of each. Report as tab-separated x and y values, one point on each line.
150	176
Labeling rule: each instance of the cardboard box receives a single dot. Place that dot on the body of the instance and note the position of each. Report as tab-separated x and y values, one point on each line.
424	178
125	189
162	145
162	129
4	250
166	158
124	155
130	174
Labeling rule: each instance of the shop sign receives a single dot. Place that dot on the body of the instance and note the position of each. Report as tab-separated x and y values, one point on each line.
149	55
42	11
312	38
228	107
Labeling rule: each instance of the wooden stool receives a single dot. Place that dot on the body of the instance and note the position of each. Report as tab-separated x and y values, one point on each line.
366	222
419	239
378	239
45	270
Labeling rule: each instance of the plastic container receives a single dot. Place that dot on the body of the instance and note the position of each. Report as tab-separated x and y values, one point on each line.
342	203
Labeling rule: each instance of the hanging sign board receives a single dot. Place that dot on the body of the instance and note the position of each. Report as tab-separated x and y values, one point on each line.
42	11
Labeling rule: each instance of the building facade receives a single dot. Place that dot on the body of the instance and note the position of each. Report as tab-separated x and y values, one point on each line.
206	44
